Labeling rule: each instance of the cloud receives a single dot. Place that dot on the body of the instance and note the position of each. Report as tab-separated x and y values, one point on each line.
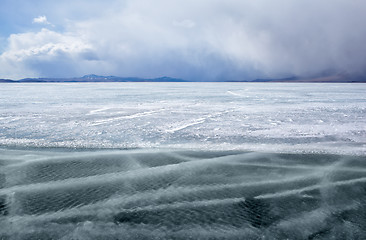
186	23
201	40
41	20
44	53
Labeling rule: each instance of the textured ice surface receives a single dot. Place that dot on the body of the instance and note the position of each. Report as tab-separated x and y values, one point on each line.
183	161
165	194
251	116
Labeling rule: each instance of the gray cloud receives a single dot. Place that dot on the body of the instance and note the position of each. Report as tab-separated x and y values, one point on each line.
204	40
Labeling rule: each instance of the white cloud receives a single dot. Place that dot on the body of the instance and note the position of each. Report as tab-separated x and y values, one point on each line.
206	39
41	20
186	23
39	53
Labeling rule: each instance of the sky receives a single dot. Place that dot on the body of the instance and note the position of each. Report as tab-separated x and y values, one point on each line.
201	40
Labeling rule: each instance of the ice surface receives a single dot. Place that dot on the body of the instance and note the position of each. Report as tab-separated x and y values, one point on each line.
272	117
182	161
165	194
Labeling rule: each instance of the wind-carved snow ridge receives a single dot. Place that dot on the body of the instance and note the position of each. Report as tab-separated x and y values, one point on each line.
194	122
234	93
148	194
99	110
137	115
181	127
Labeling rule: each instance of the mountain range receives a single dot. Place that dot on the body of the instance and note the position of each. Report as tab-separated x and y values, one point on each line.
94	78
345	78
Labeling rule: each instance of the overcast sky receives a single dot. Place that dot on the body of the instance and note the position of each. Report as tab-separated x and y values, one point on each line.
190	39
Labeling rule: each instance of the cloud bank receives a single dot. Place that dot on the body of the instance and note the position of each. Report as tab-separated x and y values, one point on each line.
195	40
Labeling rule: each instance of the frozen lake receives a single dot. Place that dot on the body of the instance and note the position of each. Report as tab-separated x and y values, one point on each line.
183	161
271	117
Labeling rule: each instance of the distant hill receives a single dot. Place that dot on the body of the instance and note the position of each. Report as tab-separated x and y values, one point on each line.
96	78
6	81
336	78
340	78
269	80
